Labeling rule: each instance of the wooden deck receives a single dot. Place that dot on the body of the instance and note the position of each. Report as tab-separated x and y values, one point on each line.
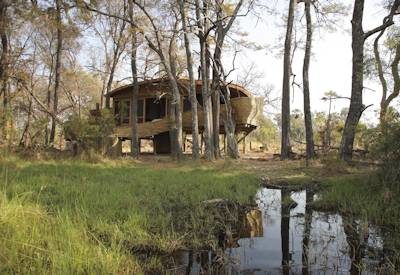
245	112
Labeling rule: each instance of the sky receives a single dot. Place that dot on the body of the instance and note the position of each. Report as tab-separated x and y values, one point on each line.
330	67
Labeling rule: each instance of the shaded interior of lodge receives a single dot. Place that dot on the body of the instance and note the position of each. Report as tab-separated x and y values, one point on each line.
153	110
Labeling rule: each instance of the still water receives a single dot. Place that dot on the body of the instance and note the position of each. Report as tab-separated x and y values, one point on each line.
291	238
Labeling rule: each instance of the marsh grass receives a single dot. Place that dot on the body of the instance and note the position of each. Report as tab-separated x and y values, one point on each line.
71	216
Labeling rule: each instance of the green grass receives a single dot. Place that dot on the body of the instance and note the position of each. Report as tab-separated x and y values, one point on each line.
71	216
100	217
364	196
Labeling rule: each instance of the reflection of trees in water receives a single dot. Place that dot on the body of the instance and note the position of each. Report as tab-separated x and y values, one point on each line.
327	242
356	239
390	255
307	231
285	220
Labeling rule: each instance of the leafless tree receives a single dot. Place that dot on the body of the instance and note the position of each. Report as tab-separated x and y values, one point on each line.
192	84
201	16
135	145
359	36
285	141
387	97
222	28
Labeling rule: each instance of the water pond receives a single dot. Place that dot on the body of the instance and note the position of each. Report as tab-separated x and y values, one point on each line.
284	235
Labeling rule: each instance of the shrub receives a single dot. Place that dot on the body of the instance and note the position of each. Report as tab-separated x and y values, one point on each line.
89	132
386	148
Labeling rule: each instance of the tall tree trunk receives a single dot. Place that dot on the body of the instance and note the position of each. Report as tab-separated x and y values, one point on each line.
176	106
57	70
215	88
135	150
118	48
48	101
306	85
356	105
4	63
170	69
206	8
379	68
216	110
229	125
358	41
207	109
285	140
192	85
385	99
216	106
219	79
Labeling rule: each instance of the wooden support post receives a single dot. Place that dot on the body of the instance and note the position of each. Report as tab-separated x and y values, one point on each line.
184	142
225	144
244	145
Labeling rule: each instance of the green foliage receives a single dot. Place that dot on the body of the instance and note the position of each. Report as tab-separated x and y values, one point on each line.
36	242
88	130
71	217
386	148
297	128
266	133
7	130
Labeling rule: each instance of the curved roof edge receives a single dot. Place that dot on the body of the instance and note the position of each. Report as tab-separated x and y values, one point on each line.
161	80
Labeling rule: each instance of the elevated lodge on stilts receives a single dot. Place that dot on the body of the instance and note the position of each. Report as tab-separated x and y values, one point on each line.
153	113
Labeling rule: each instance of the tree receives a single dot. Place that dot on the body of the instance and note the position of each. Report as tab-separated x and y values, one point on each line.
356	104
156	43
285	140
4	64
192	84
135	145
112	36
57	71
207	104
219	80
169	65
386	99
306	85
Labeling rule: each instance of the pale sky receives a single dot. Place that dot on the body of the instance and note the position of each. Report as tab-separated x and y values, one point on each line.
330	67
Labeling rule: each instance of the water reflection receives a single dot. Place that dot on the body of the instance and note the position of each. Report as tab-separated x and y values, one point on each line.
285	236
307	231
285	221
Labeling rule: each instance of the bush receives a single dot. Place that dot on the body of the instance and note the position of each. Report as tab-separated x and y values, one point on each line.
89	133
386	148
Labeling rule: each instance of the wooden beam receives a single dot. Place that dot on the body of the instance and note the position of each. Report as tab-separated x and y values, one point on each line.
244	145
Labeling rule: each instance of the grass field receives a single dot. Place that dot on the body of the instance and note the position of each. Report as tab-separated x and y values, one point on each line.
76	217
72	216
